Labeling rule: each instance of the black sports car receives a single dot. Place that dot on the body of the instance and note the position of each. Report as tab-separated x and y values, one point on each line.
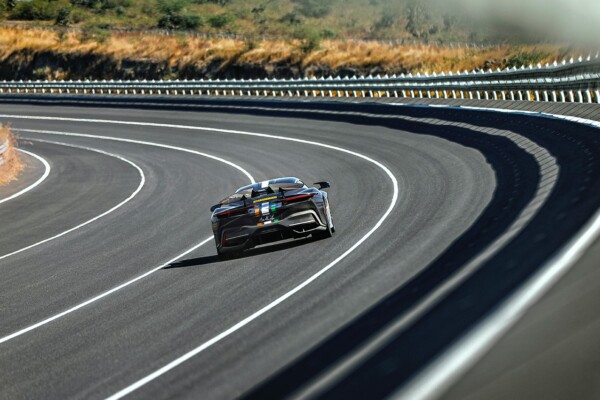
269	211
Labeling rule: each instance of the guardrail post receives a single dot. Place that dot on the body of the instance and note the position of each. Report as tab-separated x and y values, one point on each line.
404	93
487	96
370	93
412	94
495	95
563	98
597	92
512	95
537	95
554	97
579	96
588	95
478	95
545	95
520	95
470	95
571	96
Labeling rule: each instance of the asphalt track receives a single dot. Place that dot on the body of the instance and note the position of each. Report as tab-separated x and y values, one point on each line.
464	178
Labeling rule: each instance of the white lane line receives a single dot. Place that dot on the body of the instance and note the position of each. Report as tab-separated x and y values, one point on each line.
153	144
47	170
123	285
100	296
137	190
279	300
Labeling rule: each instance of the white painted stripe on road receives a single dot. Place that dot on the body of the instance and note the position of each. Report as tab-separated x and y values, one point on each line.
96	218
153	144
47	170
282	298
100	296
96	298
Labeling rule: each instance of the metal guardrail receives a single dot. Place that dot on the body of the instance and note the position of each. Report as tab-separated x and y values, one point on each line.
3	148
572	81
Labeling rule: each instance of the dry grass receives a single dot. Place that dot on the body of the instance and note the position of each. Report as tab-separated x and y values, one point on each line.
185	50
12	166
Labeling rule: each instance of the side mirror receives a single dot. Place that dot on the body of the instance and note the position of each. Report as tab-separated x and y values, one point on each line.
322	185
213	208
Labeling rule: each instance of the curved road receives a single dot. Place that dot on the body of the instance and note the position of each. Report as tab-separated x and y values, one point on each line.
78	323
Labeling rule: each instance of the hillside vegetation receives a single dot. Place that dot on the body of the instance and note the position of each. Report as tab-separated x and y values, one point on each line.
118	39
323	19
41	54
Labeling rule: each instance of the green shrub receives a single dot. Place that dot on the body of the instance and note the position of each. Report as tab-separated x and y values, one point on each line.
95	33
175	17
35	10
219	20
63	17
219	2
525	58
310	37
102	5
177	21
313	8
291	19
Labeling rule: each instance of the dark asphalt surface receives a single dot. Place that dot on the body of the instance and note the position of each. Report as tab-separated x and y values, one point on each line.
449	179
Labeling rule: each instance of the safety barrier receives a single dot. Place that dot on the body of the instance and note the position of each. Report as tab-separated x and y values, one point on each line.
3	148
572	81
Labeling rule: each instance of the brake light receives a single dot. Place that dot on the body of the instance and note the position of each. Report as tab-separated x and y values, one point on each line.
231	213
299	197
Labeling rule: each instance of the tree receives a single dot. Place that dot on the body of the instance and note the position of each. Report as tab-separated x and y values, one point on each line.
63	18
419	21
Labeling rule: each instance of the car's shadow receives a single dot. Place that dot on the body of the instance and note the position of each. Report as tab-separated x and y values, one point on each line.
271	248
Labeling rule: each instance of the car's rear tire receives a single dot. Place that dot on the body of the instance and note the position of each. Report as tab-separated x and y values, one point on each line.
229	255
329	228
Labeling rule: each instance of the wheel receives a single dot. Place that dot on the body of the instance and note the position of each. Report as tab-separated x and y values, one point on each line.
328	232
224	256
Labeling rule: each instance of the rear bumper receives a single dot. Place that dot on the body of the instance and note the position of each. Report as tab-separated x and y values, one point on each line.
296	225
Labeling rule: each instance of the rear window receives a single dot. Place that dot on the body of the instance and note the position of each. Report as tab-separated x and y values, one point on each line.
274	186
285	186
238	196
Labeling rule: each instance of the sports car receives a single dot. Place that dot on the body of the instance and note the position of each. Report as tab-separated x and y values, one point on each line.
269	211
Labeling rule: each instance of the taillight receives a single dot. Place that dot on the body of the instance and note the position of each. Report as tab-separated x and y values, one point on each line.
299	197
231	213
